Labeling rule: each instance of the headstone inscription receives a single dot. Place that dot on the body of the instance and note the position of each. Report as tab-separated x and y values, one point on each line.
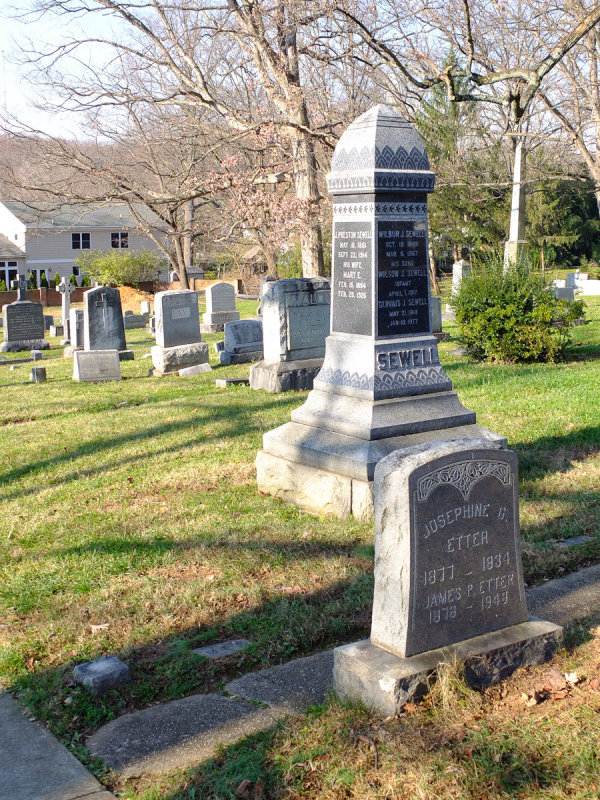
295	316
243	342
220	308
103	321
23	323
96	366
381	377
448	575
178	341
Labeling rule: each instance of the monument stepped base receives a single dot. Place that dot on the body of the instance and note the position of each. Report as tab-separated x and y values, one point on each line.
324	472
384	681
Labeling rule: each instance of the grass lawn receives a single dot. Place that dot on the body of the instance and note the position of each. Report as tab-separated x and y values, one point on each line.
131	525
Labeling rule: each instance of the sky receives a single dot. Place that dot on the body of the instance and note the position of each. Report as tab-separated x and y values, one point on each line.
18	90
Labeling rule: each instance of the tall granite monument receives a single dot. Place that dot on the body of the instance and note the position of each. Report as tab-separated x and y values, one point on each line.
381	386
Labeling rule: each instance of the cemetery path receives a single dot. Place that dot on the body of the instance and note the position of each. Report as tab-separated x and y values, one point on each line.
35	766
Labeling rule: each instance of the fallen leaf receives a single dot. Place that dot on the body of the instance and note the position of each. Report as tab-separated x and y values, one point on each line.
594	684
101	627
559	695
243	790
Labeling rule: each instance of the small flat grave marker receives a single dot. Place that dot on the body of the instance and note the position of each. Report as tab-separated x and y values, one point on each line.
95	366
222	649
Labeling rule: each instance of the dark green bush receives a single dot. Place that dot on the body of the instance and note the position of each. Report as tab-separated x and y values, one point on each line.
511	315
43	281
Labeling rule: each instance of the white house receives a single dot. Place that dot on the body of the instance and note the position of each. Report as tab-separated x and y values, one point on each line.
34	242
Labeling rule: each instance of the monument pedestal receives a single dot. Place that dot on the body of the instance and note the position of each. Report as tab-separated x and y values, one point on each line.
24	344
324	472
384	681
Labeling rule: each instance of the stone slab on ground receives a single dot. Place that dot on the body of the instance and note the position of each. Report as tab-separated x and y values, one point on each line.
564	599
289	688
222	649
176	734
35	766
197	369
102	674
223	383
574	541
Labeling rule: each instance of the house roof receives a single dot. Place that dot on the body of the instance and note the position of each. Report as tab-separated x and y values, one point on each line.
109	215
9	249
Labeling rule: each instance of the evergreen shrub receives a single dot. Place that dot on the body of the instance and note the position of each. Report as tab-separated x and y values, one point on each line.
43	281
512	315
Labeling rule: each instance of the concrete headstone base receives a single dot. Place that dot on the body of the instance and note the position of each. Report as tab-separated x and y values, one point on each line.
215	322
68	351
384	681
25	344
226	358
172	359
285	376
324	472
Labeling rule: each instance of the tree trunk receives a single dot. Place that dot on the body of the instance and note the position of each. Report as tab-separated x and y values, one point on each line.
307	190
188	232
435	286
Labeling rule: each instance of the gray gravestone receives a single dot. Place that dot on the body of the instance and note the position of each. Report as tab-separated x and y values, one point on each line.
177	318
564	293
381	377
134	321
571	280
295	317
103	320
96	366
447	574
76	327
38	374
243	342
145	307
23	323
220	307
435	309
460	269
177	324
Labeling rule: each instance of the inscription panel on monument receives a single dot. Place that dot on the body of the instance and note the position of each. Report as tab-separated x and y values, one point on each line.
23	321
307	326
466	556
351	283
402	284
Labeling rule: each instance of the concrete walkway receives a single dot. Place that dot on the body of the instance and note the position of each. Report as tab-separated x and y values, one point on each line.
35	766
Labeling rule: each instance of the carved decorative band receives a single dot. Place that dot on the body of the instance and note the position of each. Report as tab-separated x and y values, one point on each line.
390	382
463	475
392	209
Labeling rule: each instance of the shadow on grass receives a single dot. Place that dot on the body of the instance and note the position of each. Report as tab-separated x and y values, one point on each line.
240	425
550	454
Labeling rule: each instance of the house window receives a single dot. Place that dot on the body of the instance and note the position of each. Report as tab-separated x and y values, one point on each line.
80	241
8	272
119	239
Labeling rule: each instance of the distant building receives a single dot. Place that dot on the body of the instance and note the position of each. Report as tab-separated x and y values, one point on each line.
35	242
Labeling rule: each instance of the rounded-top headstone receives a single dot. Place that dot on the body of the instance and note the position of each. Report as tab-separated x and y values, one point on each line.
380	150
